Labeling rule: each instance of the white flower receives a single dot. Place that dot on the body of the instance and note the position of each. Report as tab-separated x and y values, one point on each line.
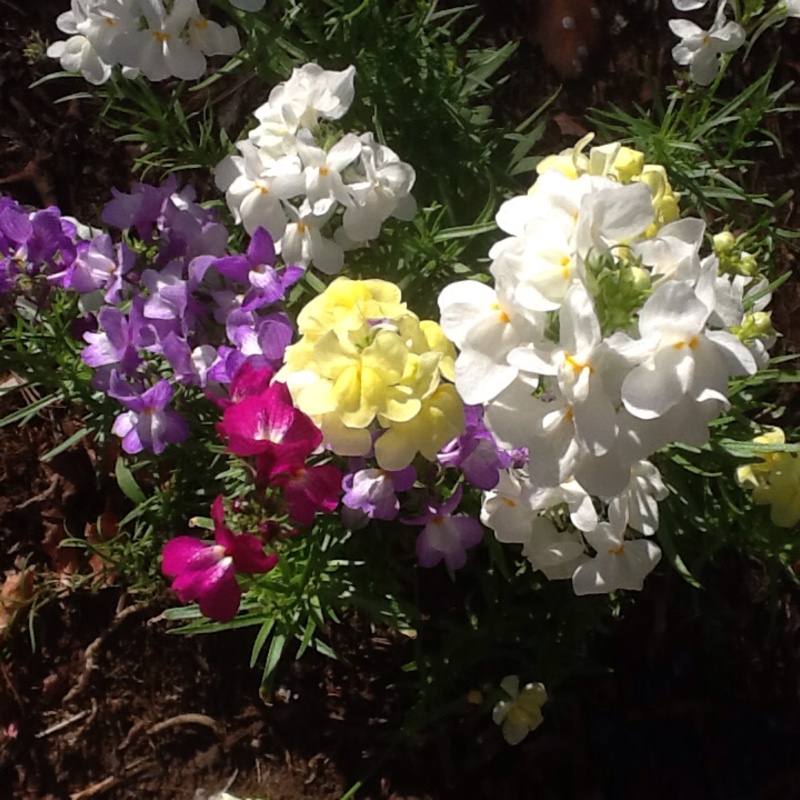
159	51
485	327
619	564
311	92
637	506
302	243
211	38
254	187
322	171
681	358
77	54
793	8
700	50
555	553
382	190
522	712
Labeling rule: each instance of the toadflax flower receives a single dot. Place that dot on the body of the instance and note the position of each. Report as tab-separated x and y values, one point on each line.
522	712
700	50
207	572
147	424
446	537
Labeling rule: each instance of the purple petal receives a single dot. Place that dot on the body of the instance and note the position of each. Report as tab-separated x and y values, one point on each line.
262	248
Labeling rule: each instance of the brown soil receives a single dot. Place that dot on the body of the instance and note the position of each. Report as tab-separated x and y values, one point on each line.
98	700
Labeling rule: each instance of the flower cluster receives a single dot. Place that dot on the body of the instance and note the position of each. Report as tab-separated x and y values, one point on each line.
295	180
370	373
35	245
164	307
774	480
260	420
156	38
605	337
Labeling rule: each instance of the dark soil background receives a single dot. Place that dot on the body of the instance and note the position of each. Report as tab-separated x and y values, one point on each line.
701	700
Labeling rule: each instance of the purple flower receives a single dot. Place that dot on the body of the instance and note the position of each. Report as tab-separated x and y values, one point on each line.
111	348
147	425
374	491
475	452
100	264
445	537
207	572
267	285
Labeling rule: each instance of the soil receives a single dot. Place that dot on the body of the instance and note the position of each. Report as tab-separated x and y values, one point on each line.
99	700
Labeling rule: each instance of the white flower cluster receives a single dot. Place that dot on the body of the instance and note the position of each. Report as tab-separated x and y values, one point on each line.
157	38
288	182
606	336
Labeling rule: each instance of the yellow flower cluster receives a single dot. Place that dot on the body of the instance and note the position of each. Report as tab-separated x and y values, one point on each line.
622	164
365	363
775	480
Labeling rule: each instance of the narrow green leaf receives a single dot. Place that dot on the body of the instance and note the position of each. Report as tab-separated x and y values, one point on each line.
128	483
65	445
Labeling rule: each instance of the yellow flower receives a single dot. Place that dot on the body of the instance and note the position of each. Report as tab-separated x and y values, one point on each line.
522	712
751	476
364	362
775	480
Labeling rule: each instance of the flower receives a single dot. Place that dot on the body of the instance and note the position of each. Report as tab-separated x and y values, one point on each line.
445	537
207	572
700	50
147	424
775	480
522	712
619	564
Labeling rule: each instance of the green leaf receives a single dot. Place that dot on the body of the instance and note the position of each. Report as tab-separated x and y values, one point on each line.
65	445
128	483
260	641
273	656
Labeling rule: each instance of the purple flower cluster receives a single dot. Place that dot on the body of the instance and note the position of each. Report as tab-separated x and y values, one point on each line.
172	307
33	244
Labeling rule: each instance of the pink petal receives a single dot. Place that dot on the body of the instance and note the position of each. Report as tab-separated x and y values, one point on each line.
187	553
249	557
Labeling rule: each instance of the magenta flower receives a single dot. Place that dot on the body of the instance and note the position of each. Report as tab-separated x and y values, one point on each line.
308	490
207	572
267	424
446	537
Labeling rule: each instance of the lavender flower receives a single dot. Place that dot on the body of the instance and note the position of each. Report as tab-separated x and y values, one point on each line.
147	425
445	537
476	453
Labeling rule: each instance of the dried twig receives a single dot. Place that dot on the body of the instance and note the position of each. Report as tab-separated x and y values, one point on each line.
91	652
63	724
184	719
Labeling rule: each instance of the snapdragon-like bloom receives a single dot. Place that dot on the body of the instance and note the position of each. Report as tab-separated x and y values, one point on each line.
365	365
268	424
206	572
619	563
700	49
147	425
445	537
774	480
521	713
374	491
